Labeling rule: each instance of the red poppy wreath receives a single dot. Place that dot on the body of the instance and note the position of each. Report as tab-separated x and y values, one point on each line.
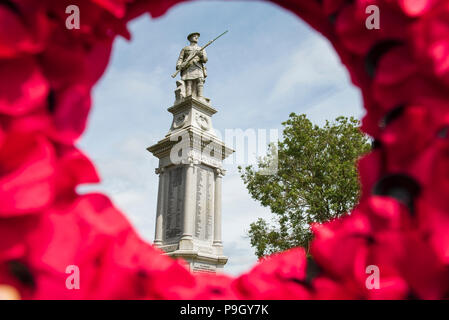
401	224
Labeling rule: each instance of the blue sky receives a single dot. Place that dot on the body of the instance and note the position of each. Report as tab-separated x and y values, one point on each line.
269	65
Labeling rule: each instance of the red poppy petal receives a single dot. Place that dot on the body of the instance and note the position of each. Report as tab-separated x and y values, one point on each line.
22	86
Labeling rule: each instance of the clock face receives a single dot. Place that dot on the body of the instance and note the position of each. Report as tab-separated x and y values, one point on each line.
179	120
203	121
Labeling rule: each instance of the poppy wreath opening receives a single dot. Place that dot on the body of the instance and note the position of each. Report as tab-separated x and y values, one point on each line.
400	226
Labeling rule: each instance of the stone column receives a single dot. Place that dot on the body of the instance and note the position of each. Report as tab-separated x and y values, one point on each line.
189	207
217	207
158	234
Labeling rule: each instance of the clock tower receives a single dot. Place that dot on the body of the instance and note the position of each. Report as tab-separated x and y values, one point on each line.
188	217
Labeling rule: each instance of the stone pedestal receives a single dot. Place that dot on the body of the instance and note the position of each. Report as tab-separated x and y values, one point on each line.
188	218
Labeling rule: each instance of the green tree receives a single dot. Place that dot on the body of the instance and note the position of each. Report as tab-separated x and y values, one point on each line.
316	180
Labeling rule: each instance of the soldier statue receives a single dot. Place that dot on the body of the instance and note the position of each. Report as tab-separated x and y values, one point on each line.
191	64
195	73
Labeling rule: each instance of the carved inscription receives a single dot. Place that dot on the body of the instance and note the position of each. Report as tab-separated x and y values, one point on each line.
204	203
173	227
202	267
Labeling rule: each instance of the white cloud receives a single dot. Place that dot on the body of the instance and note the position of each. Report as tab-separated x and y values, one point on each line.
311	66
239	211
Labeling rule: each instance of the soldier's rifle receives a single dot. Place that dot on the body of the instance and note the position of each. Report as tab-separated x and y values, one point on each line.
192	56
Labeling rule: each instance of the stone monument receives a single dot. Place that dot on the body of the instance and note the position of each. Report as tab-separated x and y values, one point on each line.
188	218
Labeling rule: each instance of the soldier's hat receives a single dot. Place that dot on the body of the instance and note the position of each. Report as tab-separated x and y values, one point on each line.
192	34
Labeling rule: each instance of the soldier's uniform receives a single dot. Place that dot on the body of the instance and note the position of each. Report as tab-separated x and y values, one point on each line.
196	73
197	68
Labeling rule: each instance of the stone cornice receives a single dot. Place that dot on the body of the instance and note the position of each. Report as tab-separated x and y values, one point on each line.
195	136
190	254
190	102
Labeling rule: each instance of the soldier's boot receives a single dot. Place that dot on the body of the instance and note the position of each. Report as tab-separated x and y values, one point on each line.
200	88
188	84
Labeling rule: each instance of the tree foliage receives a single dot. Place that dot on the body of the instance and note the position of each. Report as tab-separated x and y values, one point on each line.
316	180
